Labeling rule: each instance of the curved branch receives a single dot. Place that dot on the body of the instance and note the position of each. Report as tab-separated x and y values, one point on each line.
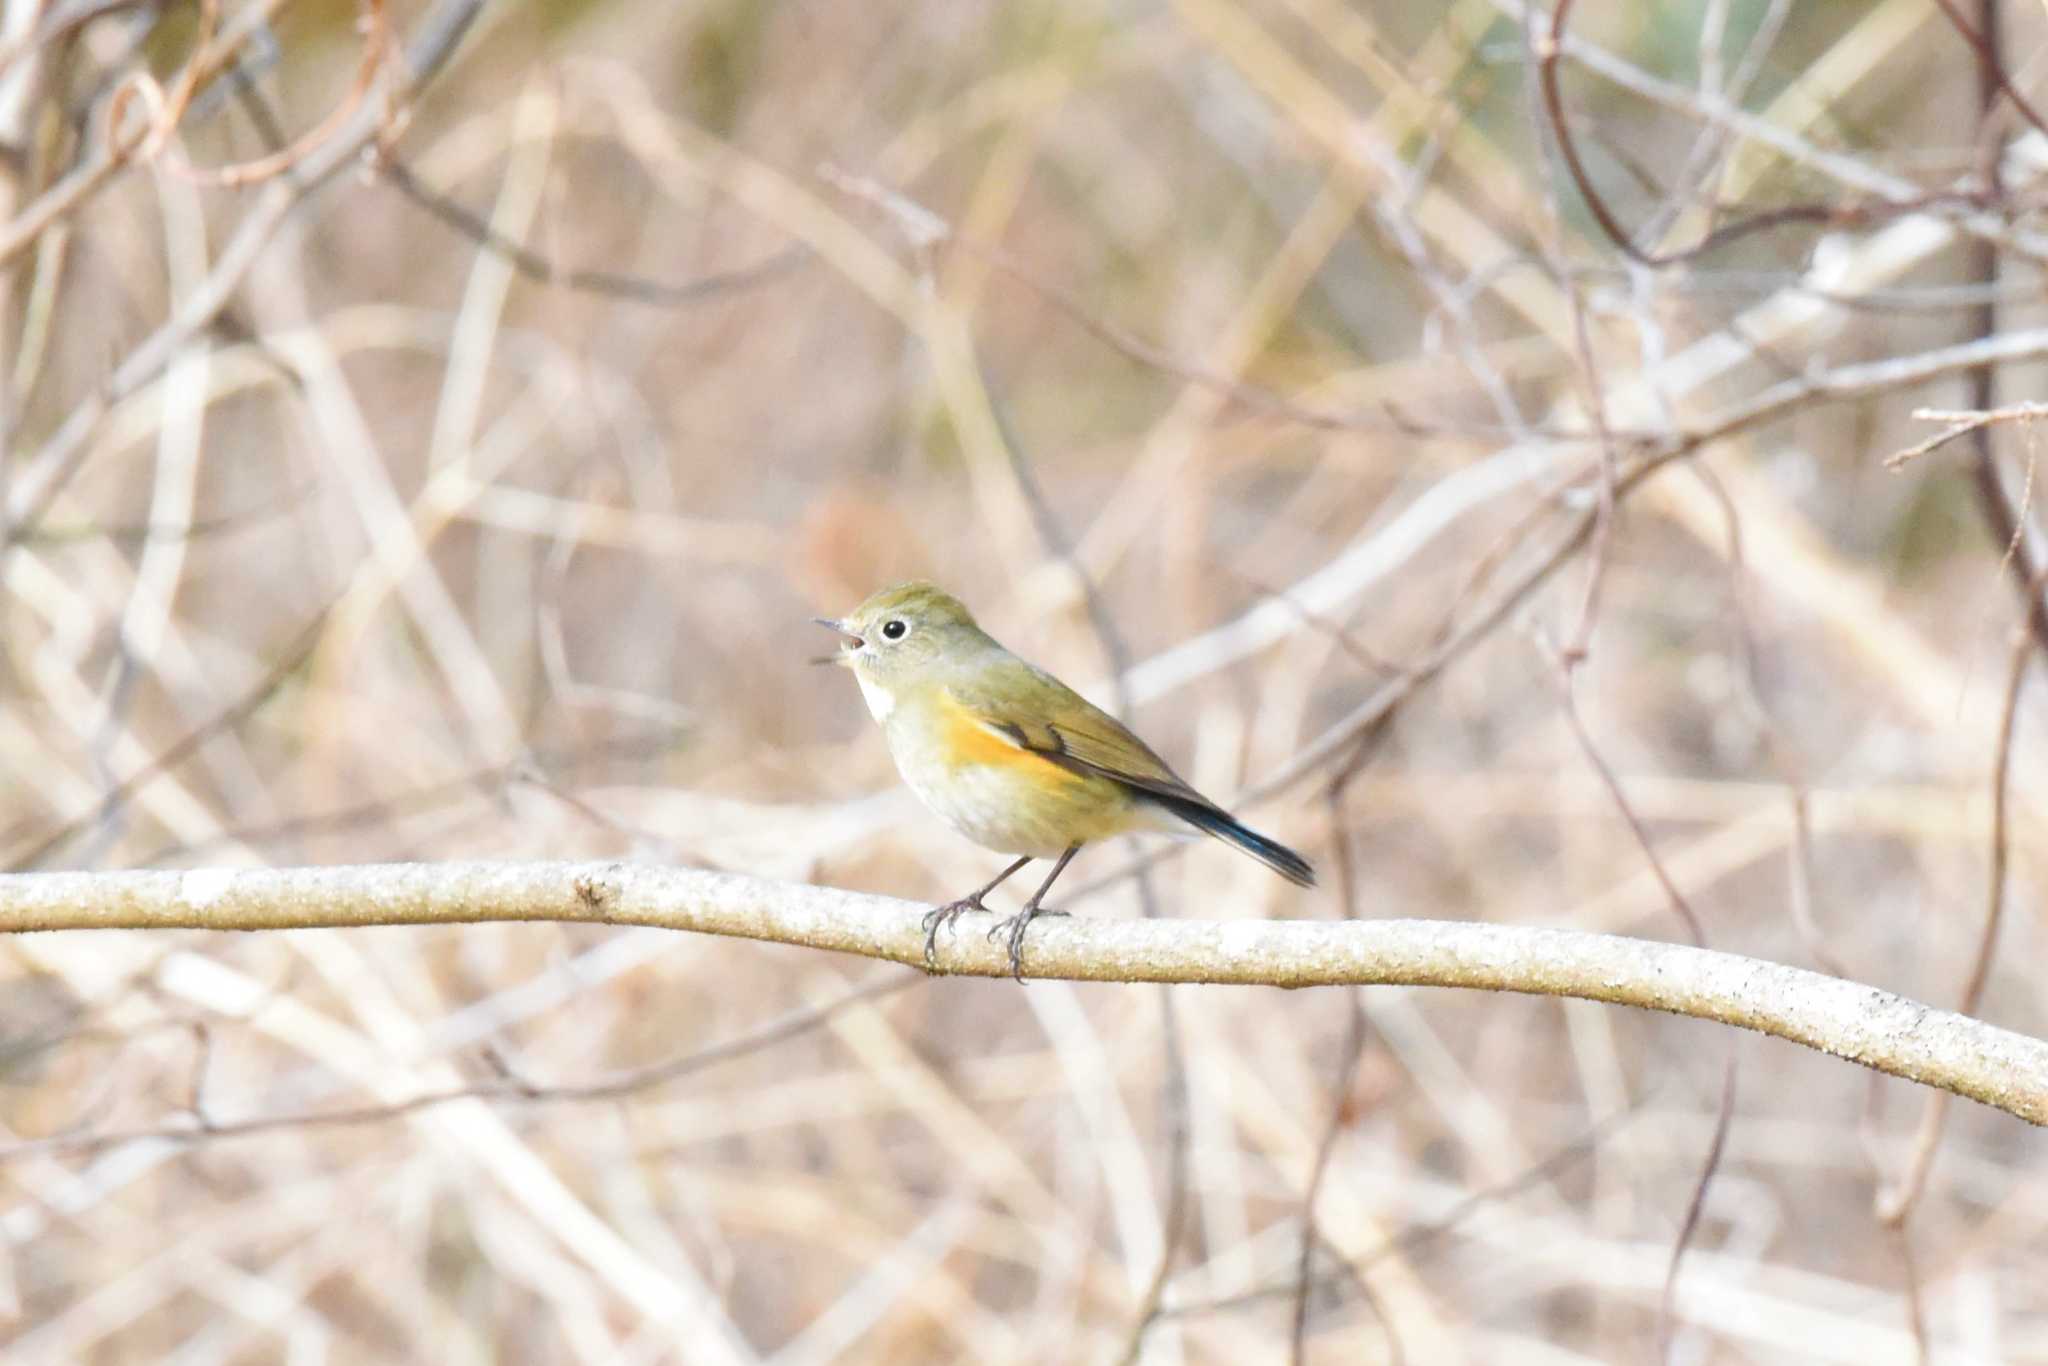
1889	1033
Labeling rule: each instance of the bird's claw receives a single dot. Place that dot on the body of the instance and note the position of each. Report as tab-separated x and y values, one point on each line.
941	917
1014	927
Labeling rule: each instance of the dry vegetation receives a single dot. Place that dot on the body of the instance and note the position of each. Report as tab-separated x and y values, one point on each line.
410	459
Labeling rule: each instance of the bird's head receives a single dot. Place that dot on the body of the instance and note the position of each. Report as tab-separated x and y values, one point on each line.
901	637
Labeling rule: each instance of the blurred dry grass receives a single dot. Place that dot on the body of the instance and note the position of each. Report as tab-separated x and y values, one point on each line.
556	550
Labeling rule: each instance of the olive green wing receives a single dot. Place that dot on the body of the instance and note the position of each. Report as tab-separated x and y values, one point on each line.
1036	712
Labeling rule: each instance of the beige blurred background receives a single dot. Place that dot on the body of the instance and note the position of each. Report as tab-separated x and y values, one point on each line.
1275	327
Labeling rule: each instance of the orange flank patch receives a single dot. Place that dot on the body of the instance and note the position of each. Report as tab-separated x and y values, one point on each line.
968	741
1009	797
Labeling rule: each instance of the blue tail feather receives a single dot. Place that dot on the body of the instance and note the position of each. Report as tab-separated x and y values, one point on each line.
1230	830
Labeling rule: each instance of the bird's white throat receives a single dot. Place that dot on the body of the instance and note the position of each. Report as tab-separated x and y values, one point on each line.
880	700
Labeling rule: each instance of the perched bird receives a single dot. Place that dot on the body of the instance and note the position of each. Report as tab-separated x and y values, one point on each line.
1010	756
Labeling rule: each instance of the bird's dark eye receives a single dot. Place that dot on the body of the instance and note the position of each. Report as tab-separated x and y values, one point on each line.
894	630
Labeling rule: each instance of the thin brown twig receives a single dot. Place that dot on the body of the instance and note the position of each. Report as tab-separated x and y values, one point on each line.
202	1065
2016	543
1604	508
1985	43
1592	393
1800	882
2007	523
375	26
1418	1239
1256	398
1962	422
1594	396
544	270
1337	633
1916	1308
1791	765
1695	1209
134	534
167	107
508	1087
1895	1203
530	767
1353	1051
1355	1037
294	655
1244	393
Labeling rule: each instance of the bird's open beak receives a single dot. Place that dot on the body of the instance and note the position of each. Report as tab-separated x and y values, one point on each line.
853	642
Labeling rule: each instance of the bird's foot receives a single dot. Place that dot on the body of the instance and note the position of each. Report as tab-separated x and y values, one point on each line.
1014	927
941	917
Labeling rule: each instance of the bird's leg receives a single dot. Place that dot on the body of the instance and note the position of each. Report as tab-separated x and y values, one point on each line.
1018	923
942	916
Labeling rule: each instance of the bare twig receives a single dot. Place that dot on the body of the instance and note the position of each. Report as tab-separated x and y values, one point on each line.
374	25
929	229
1696	1206
1962	422
170	757
508	1087
1986	43
1417	1239
2007	523
616	284
1896	1202
1355	1037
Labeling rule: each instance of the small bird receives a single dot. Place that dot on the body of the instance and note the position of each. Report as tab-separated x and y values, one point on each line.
1010	756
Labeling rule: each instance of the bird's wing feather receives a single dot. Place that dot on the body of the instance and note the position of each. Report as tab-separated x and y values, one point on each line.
1036	712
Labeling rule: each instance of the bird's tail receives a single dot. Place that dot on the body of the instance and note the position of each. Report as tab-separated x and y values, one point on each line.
1230	830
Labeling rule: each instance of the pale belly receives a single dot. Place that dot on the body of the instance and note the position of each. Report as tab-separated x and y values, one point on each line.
1005	810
